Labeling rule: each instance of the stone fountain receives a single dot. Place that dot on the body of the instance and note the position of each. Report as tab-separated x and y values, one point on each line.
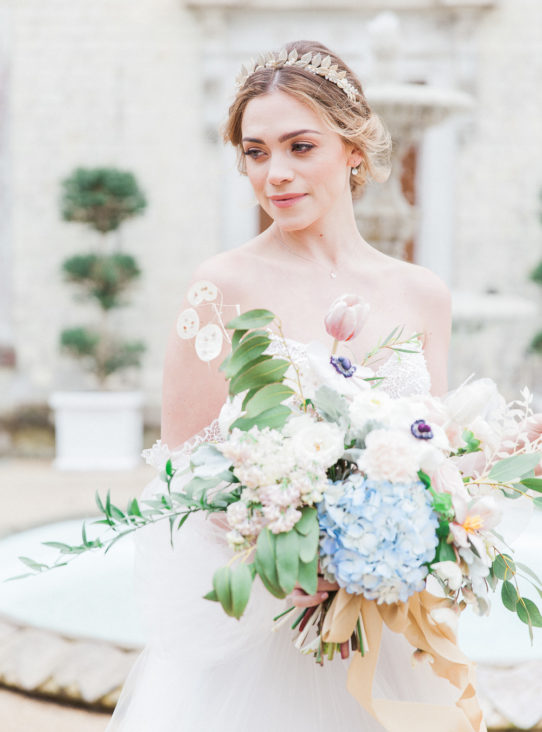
482	321
385	216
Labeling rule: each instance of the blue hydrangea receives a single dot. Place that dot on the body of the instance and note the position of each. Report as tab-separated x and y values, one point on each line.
376	536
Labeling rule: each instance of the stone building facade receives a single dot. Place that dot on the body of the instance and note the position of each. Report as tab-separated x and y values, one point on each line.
144	85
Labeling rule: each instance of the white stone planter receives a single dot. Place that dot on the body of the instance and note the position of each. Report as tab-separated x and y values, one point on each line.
97	430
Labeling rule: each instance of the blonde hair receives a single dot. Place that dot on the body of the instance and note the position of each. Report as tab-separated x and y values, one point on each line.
353	121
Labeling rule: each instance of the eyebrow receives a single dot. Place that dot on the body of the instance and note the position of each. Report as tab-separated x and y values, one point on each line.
283	138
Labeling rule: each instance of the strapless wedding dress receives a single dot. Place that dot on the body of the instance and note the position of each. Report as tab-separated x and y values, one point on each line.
202	670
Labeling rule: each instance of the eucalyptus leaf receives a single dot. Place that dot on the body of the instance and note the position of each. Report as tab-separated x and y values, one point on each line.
221	586
257	318
265	555
236	338
309	517
308	544
503	566
509	596
267	370
211	596
533	484
240	585
528	612
276	417
512	468
250	349
287	559
308	575
267	397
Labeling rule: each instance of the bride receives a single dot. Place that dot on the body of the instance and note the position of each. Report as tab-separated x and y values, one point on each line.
308	142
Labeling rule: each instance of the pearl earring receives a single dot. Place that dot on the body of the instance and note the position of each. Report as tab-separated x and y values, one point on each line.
354	171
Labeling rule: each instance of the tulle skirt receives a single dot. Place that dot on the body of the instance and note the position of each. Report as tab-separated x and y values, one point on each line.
202	670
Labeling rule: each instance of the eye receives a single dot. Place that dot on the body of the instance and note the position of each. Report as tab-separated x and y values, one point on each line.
302	146
253	152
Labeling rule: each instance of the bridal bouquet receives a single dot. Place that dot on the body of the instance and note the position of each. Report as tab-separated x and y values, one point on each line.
322	473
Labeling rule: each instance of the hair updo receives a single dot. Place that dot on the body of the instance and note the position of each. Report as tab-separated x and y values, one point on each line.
353	121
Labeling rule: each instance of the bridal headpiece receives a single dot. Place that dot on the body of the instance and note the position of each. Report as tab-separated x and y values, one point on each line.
314	63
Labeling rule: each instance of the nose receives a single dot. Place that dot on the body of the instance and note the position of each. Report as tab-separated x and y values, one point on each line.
280	170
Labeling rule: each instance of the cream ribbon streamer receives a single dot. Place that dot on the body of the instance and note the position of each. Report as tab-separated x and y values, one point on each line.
414	621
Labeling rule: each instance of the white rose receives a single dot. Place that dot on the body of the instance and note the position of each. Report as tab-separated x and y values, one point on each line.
373	405
318	442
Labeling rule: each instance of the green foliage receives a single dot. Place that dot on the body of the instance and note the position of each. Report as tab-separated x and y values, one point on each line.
512	468
98	356
80	342
536	344
284	559
249	369
536	274
102	277
101	197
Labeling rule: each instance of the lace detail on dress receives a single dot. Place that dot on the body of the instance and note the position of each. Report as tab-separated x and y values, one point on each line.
404	373
158	455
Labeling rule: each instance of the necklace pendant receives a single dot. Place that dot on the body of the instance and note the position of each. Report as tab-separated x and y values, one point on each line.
333	275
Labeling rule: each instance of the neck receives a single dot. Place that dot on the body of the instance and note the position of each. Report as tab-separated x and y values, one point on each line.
331	240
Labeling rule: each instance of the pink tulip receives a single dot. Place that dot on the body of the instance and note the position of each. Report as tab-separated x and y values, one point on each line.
346	317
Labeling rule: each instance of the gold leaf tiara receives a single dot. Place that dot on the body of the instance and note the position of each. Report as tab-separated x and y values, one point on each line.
313	63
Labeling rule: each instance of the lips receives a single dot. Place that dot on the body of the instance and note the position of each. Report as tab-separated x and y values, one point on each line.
286	199
286	196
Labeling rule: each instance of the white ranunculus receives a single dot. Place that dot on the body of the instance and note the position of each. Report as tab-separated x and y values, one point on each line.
389	455
318	442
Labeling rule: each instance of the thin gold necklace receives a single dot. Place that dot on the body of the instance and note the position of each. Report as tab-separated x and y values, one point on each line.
331	273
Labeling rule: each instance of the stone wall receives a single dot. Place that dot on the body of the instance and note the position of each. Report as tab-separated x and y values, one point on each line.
101	83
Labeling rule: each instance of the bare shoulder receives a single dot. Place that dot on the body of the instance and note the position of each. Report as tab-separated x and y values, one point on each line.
421	281
423	293
223	270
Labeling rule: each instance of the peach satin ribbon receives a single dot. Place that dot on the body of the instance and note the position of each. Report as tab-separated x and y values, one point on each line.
414	621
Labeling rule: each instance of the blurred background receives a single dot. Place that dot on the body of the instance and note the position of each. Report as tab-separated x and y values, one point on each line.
115	185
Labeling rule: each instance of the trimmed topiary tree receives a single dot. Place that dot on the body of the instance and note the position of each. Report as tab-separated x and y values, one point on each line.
102	198
536	343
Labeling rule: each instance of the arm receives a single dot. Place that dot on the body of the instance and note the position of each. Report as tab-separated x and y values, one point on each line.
437	318
193	391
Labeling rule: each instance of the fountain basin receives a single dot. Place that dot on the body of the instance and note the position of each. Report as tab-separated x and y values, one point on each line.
93	597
